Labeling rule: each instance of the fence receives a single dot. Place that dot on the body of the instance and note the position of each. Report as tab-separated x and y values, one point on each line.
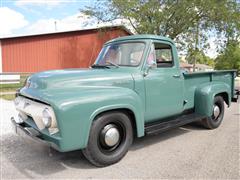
9	78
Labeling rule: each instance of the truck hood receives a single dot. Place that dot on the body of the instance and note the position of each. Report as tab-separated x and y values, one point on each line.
71	78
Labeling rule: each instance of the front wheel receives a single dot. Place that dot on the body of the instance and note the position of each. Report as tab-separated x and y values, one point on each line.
217	114
110	137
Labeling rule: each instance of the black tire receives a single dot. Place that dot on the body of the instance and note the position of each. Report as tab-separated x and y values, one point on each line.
214	122
97	151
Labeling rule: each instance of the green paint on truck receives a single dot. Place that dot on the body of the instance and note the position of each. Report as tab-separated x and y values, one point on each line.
135	87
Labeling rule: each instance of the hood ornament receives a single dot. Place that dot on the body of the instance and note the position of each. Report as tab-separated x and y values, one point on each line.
28	83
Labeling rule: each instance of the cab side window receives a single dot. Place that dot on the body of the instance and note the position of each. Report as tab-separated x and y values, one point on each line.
163	55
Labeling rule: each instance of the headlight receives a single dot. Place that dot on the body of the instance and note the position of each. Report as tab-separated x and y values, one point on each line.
16	101
46	118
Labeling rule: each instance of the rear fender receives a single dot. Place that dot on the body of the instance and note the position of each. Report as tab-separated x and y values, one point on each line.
204	96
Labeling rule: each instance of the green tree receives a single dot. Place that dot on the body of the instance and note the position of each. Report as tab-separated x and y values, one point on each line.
185	21
199	57
230	57
172	18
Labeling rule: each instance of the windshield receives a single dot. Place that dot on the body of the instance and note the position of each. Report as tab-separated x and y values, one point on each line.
121	54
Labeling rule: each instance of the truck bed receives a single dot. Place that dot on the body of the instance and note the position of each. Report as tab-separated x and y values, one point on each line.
193	80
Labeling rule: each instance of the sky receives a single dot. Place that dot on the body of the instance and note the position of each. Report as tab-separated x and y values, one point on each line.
24	17
39	16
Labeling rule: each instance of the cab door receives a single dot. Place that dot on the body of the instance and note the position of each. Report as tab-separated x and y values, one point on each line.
163	83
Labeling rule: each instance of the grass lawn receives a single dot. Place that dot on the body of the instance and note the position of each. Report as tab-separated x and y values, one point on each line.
8	96
11	88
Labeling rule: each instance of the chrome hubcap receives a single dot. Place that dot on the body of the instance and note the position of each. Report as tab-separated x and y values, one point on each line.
216	111
111	135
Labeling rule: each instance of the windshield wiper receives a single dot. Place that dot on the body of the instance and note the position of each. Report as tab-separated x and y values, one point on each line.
99	66
112	63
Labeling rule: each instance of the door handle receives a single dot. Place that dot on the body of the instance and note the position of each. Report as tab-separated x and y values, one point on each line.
176	76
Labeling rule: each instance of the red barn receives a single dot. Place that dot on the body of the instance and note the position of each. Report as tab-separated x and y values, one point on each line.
72	49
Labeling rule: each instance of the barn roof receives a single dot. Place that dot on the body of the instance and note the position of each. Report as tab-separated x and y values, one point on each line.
65	32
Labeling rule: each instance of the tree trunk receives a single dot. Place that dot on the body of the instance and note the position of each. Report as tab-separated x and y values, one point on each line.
196	46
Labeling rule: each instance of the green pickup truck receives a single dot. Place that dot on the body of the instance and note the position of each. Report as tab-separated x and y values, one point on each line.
134	88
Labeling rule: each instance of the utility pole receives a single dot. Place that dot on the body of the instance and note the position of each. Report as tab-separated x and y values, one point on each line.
55	25
196	47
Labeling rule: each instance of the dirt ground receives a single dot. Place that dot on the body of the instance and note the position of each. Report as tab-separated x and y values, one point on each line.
186	152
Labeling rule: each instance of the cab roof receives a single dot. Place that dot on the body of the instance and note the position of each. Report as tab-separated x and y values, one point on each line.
142	36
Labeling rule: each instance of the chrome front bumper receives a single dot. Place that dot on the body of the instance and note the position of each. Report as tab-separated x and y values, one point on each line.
27	132
236	95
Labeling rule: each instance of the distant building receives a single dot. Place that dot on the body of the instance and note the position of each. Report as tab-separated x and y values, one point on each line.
186	67
203	67
198	67
72	49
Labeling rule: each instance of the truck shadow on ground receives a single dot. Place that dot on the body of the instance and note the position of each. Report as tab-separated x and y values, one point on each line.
160	137
33	157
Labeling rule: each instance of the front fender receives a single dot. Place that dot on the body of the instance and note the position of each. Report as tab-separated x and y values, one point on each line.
75	109
204	96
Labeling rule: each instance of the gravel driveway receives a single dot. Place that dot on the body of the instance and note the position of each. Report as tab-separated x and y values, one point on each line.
186	152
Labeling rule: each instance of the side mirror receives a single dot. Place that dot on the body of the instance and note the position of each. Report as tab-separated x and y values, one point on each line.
148	67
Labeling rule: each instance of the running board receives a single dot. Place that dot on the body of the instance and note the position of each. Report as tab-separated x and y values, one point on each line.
157	127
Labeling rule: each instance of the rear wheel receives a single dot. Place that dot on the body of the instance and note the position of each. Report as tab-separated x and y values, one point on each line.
217	114
110	136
